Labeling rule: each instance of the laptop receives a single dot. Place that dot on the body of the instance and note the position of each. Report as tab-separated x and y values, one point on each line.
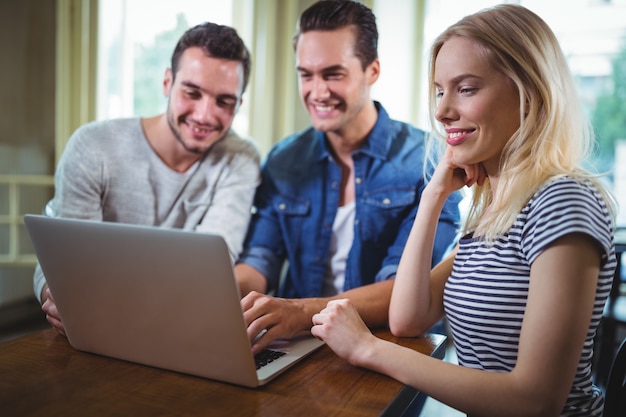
160	297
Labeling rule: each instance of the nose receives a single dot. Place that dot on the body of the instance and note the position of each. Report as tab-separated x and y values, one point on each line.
319	88
445	109
205	111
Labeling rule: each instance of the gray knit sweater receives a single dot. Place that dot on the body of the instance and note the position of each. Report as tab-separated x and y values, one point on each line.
109	172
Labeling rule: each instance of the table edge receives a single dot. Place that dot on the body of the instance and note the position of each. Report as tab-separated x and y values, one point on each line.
408	395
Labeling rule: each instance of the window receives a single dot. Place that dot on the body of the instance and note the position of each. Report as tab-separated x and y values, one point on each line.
136	41
137	38
592	35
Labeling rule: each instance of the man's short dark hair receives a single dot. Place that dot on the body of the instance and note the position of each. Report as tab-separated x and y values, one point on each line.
217	41
336	14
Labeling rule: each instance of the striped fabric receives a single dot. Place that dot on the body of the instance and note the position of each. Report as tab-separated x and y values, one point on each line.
485	297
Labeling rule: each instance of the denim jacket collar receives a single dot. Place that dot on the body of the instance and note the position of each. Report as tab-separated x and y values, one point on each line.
376	144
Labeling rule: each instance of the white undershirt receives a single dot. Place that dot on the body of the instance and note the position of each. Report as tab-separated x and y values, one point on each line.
340	244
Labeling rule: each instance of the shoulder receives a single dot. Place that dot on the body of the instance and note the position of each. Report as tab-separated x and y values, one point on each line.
397	140
398	131
398	127
99	138
404	146
413	137
566	205
568	193
101	133
109	126
296	148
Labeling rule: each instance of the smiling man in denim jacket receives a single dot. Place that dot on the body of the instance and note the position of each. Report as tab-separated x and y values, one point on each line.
337	200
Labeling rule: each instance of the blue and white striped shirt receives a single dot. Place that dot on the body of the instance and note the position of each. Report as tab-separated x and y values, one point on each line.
486	294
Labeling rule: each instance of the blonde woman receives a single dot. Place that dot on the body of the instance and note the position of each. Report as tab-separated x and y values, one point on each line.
524	289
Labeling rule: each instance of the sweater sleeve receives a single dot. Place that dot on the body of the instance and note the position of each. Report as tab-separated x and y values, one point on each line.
229	212
77	187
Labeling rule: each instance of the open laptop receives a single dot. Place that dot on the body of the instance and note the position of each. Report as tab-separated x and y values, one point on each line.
160	297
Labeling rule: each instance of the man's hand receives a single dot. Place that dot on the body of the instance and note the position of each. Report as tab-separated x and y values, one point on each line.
283	318
50	308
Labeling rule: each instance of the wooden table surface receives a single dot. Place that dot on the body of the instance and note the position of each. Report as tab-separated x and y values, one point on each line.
42	375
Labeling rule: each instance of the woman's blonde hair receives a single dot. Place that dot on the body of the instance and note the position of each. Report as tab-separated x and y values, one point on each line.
554	137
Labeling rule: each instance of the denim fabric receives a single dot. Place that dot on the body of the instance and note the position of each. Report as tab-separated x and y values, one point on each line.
297	201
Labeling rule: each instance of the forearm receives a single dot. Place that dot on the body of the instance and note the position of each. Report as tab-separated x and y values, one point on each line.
249	279
371	301
412	309
471	391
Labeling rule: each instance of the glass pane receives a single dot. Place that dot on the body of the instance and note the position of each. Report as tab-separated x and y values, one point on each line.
4	199
4	239
592	34
27	85
25	245
16	285
33	198
137	38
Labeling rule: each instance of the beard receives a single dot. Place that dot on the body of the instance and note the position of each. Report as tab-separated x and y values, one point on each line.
198	150
173	127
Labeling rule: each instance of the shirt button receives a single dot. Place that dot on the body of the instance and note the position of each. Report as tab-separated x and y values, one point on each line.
386	201
334	184
357	180
282	206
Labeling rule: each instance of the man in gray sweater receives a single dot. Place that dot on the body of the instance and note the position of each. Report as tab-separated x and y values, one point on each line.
182	169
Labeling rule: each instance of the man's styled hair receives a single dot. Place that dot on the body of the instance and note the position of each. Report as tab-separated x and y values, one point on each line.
335	14
217	41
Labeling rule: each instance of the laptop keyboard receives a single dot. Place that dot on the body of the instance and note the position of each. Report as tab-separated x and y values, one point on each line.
267	356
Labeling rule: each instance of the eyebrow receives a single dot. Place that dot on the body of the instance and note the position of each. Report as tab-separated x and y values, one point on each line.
460	78
327	69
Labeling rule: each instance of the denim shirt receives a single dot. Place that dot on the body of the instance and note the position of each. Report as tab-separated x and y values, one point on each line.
297	200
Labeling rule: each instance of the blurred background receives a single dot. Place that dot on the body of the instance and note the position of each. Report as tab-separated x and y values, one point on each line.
67	62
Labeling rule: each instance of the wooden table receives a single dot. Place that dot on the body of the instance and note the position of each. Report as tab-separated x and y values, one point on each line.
42	375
